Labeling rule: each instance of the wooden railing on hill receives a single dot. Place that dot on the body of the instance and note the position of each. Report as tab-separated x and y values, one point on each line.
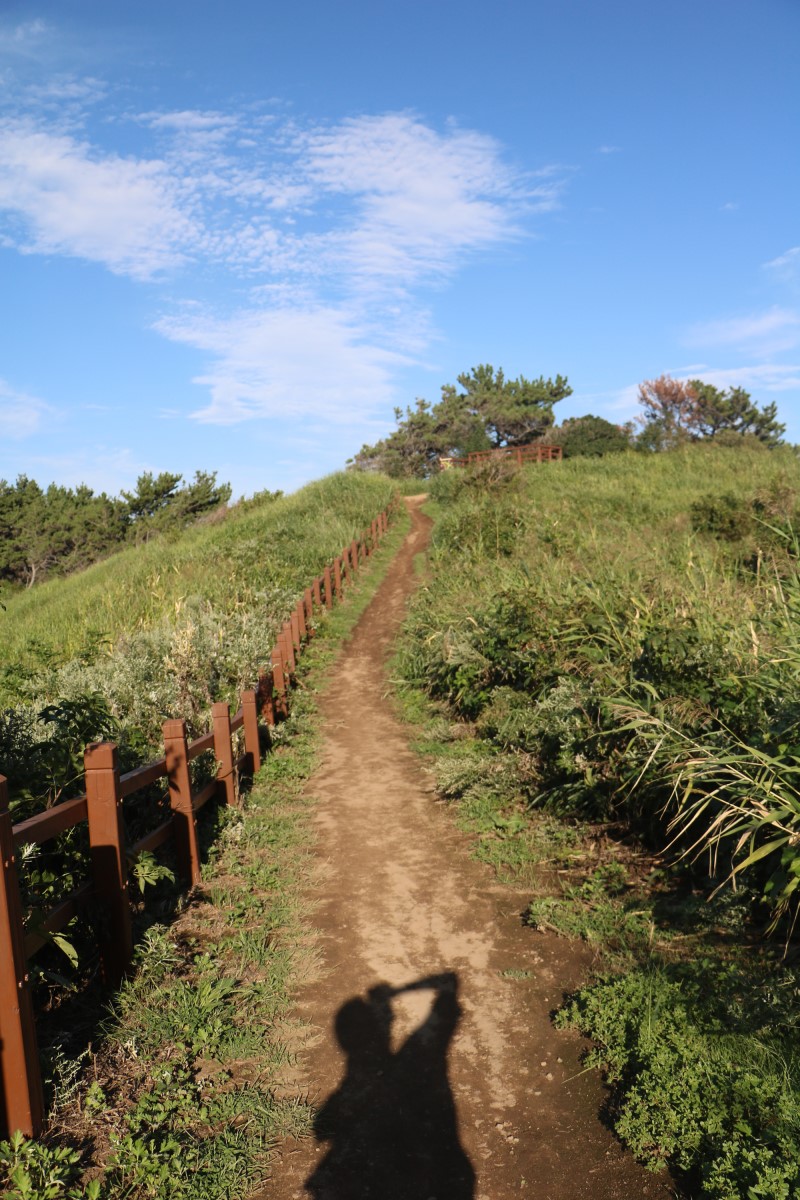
518	454
101	807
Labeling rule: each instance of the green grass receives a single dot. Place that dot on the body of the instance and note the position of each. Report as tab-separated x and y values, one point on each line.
184	1095
602	670
159	631
279	544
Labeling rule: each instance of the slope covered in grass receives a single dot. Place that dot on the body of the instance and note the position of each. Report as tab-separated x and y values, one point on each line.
273	544
159	631
617	641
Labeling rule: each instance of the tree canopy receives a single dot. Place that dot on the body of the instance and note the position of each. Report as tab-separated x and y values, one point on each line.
59	529
678	411
484	410
591	436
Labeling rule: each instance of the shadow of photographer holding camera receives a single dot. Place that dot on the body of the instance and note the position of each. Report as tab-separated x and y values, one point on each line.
392	1122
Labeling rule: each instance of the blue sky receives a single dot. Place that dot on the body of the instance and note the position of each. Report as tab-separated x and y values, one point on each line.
235	236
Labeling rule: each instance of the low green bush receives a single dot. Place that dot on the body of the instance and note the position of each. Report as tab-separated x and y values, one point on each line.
705	1078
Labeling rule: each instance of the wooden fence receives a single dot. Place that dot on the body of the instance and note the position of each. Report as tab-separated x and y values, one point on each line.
106	889
518	454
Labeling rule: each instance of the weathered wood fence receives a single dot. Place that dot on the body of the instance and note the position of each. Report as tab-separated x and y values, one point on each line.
518	454
106	889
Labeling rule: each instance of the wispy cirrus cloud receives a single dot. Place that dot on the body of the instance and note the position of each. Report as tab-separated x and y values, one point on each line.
756	377
67	199
287	363
21	415
763	334
24	39
422	199
332	231
786	267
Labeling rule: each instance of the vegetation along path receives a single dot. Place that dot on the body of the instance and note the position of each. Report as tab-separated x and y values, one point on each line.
432	1055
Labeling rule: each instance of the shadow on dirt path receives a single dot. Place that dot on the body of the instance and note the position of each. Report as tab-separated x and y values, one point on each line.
444	1077
392	1122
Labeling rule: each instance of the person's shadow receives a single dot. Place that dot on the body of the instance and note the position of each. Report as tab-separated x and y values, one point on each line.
392	1123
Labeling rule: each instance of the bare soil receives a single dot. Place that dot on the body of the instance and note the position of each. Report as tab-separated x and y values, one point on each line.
433	1058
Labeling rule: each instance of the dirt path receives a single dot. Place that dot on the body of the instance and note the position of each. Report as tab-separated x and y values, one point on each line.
457	1088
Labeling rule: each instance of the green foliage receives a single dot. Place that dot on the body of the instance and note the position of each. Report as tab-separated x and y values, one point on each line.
182	1097
158	504
706	1076
681	411
592	436
58	530
31	1170
726	517
489	411
732	411
634	659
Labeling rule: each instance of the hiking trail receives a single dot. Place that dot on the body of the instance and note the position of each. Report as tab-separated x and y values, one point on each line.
439	1076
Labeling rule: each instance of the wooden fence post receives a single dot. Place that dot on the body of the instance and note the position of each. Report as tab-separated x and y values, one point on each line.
266	695
288	647
345	556
109	861
337	577
317	587
23	1101
308	602
184	822
328	588
300	609
279	682
294	625
251	740
223	752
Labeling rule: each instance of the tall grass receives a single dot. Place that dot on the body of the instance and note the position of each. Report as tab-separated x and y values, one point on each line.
160	630
621	640
579	615
278	543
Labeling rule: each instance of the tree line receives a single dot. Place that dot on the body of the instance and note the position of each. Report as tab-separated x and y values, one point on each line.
58	529
487	411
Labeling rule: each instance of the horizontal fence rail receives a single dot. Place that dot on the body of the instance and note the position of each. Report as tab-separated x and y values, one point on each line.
518	454
100	808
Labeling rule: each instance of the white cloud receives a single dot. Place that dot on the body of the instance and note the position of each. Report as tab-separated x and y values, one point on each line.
764	333
21	415
333	229
422	199
117	211
786	266
607	149
287	364
374	203
25	39
764	377
189	120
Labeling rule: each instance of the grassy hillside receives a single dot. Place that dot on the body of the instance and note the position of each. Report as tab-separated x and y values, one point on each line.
160	630
275	544
179	1085
616	642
